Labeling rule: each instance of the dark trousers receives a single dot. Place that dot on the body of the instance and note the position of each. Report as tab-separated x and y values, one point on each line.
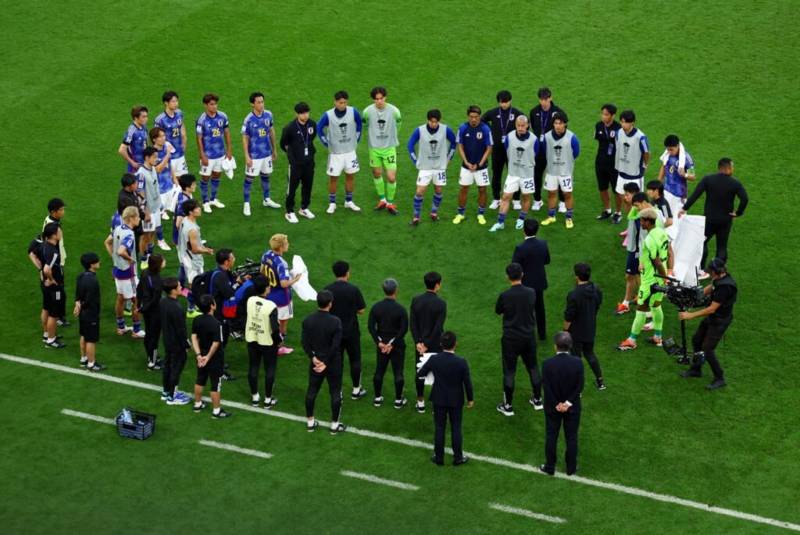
333	373
721	229
541	319
171	370
538	177
152	332
553	421
396	357
352	346
269	356
440	417
586	350
525	349
705	339
499	162
301	175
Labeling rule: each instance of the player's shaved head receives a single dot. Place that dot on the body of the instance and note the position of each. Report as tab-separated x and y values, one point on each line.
521	120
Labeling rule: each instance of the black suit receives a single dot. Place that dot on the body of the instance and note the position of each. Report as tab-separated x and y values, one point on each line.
562	378
533	255
451	382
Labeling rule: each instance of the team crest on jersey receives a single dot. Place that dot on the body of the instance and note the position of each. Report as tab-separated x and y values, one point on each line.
434	146
510	116
219	123
479	135
343	128
557	149
310	129
520	152
611	134
625	148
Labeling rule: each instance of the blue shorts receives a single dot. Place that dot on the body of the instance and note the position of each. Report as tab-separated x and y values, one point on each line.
632	264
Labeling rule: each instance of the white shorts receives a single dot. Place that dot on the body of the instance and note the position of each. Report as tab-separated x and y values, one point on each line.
347	162
514	184
190	271
622	181
214	166
261	166
126	287
169	199
675	203
554	183
155	221
425	177
178	166
479	177
286	313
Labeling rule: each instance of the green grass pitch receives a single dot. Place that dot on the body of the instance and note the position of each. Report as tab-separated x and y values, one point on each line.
722	75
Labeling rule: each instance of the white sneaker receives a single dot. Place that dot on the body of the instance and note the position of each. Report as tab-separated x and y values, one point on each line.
517	205
520	224
331	208
163	245
291	218
138	334
308	214
207	207
497	226
217	203
350	205
562	208
495	204
269	203
703	276
537	205
164	216
246	209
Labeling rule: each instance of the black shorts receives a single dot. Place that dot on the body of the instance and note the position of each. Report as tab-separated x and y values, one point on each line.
606	176
213	370
89	330
54	300
632	264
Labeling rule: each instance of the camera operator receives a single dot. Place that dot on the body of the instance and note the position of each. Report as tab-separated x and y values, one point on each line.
716	318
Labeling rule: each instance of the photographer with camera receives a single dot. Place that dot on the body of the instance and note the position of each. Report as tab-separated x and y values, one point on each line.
717	317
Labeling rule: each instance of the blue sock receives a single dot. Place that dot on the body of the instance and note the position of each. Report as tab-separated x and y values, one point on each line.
348	196
501	218
417	205
462	210
214	188
332	198
265	185
522	215
437	200
204	190
190	300
481	210
248	185
551	212
569	213
149	250
160	232
137	326
121	323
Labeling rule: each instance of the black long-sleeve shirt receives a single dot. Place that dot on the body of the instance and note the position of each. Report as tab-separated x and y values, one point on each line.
148	292
322	336
428	312
501	122
388	322
87	293
517	305
223	287
542	121
347	302
297	141
583	302
173	326
720	190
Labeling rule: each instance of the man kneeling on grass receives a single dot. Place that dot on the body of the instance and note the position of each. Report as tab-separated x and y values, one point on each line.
207	344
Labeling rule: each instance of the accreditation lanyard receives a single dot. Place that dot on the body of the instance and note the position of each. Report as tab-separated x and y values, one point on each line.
545	116
608	140
503	124
303	131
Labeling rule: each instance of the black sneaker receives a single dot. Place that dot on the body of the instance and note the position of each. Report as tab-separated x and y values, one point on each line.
271	403
254	402
227	377
543	468
616	218
462	460
340	428
58	337
378	401
96	367
63	322
691	373
400	403
537	403
605	214
421	407
221	414
358	395
55	344
84	362
505	410
718	383
312	428
154	366
198	408
600	384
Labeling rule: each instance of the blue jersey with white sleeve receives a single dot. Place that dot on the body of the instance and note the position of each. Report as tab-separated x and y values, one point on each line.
179	212
257	129
212	131
135	139
171	125
165	175
673	181
474	139
277	270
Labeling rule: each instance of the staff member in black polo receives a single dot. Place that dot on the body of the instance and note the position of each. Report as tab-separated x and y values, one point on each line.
148	296
348	304
54	300
717	317
451	381
428	313
541	118
517	305
297	141
501	121
721	189
580	319
321	337
388	325
176	343
533	255
562	377
605	132
87	310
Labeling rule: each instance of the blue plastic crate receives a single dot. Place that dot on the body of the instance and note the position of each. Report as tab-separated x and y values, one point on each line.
143	425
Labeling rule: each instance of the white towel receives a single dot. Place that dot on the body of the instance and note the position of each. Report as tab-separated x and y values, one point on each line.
228	166
681	157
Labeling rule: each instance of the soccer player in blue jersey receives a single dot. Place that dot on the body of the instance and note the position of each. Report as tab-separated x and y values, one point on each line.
280	280
339	129
135	139
431	159
166	180
673	174
213	144
474	141
171	121
258	139
187	183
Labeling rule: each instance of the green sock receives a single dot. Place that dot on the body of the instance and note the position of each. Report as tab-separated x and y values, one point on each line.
638	323
391	189
658	320
379	187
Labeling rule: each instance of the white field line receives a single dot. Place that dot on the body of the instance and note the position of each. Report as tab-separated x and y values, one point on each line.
624	489
236	449
526	513
379	480
87	416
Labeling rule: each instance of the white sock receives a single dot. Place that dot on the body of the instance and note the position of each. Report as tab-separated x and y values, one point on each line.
51	340
625	302
217	409
84	358
267	401
356	389
334	425
44	334
310	423
255	397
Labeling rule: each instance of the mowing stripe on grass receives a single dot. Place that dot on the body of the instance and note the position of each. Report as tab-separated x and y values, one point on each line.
236	449
624	489
379	480
87	416
526	513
